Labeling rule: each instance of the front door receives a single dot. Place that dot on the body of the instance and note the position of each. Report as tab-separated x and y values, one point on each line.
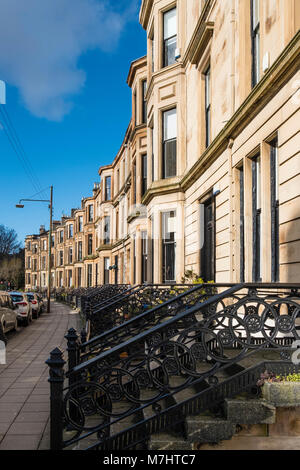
208	251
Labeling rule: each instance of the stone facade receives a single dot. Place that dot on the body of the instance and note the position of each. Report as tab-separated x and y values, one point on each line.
208	175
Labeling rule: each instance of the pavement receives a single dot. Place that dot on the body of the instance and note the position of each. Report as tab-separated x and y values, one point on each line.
24	387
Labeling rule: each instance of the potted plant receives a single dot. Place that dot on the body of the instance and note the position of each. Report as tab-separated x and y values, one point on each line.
282	391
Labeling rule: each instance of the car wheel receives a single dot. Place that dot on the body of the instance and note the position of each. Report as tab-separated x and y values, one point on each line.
16	325
26	321
35	315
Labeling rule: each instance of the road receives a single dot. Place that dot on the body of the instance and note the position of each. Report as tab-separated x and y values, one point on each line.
24	387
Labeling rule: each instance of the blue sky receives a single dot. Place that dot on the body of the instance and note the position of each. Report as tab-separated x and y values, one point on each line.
67	98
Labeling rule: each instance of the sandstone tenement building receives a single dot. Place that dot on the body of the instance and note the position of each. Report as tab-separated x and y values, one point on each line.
208	174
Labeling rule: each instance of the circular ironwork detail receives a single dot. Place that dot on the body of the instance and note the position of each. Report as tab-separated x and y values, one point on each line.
253	323
197	351
142	378
225	337
115	392
285	324
251	309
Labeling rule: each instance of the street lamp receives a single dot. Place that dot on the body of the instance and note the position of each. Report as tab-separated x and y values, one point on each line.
50	201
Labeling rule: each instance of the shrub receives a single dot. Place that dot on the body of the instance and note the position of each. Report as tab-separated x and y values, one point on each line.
270	377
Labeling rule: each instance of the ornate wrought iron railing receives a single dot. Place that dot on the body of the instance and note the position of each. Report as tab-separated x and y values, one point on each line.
132	303
105	293
187	364
150	306
87	295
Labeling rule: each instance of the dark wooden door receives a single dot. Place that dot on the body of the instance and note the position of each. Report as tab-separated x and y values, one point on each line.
208	252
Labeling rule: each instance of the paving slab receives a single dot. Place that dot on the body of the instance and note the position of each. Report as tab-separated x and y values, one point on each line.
33	417
11	442
8	417
22	429
24	387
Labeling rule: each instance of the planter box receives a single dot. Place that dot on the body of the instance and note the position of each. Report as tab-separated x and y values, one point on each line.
285	394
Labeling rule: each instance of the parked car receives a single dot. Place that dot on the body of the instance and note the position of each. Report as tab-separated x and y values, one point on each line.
41	302
35	304
24	308
8	313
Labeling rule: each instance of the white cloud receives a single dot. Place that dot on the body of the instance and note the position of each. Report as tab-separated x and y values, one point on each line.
41	42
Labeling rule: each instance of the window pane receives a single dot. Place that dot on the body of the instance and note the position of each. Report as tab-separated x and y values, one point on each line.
153	54
256	207
170	124
255	13
169	159
258	183
207	87
106	230
169	52
170	262
107	188
152	156
168	245
170	23
207	107
144	174
144	101
168	226
170	36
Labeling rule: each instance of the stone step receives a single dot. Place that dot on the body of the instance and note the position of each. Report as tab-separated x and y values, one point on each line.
127	421
254	443
174	435
165	441
249	411
207	429
189	392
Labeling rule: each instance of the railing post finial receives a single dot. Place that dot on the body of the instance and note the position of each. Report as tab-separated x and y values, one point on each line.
56	364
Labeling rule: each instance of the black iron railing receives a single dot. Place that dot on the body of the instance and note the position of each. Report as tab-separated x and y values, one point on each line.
131	303
86	298
90	301
117	399
133	314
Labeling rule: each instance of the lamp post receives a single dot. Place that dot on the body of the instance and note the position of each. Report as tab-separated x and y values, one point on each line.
50	202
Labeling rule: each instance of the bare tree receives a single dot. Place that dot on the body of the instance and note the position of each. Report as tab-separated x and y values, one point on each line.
12	270
8	241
